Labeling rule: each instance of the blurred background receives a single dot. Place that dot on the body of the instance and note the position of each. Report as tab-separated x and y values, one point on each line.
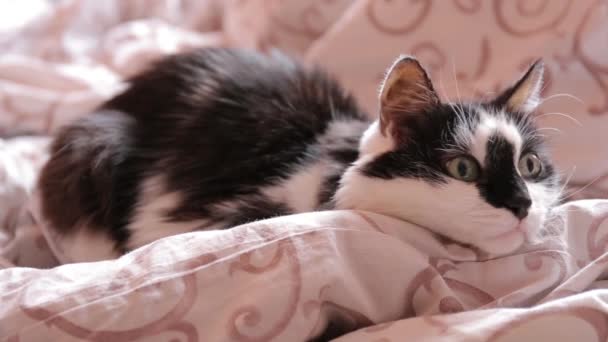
60	59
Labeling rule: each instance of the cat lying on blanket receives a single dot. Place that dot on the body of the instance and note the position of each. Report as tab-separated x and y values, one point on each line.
217	137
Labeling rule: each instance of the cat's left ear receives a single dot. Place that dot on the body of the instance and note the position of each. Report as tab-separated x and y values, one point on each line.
524	95
406	95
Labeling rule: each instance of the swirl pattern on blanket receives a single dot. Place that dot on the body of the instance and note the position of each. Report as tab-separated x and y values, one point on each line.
357	275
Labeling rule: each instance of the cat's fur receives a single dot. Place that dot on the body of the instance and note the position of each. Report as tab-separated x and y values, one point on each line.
214	138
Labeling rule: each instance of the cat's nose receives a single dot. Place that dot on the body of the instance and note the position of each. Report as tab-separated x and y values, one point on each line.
519	204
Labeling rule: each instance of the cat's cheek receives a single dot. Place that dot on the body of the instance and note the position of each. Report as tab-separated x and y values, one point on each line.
543	198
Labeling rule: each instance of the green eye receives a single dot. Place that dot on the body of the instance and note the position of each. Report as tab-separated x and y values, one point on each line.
463	168
530	166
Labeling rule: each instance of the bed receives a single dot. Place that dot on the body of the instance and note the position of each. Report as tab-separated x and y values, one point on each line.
343	275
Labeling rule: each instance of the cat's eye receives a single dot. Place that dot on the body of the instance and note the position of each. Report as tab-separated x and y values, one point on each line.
463	168
530	166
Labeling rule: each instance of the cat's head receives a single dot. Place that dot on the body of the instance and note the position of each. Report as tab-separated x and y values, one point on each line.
476	172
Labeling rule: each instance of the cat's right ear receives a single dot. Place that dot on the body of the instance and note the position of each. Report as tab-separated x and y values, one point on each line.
525	95
406	94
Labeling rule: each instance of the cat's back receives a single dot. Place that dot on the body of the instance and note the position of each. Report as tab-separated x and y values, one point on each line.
238	84
218	105
205	139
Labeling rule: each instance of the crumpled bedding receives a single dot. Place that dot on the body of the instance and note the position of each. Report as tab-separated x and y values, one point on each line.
357	275
294	277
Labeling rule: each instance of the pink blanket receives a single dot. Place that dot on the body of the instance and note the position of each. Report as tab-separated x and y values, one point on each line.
295	277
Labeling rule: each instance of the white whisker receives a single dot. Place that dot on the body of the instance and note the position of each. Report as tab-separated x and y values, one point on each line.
459	104
441	85
455	80
561	190
584	187
562	115
553	129
562	95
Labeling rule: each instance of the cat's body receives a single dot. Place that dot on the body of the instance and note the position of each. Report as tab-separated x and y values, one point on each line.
198	142
215	138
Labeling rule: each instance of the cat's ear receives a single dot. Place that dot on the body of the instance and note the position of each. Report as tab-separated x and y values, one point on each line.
524	96
406	94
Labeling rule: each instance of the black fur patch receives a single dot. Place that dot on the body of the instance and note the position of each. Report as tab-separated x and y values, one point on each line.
328	189
345	156
422	156
500	184
219	125
84	183
532	142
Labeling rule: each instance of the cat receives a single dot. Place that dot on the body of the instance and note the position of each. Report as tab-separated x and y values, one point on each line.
217	137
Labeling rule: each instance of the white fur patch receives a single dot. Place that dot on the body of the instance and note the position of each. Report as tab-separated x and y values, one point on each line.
490	124
300	191
373	142
343	129
86	245
149	222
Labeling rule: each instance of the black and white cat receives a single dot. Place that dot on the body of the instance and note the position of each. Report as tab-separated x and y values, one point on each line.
217	137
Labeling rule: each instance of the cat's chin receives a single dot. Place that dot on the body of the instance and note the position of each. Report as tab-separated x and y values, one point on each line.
528	232
503	243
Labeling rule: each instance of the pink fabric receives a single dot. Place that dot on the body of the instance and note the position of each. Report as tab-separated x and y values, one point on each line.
285	279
